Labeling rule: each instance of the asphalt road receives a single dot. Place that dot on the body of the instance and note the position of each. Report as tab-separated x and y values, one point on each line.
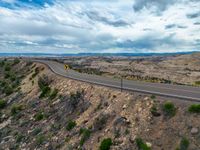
175	91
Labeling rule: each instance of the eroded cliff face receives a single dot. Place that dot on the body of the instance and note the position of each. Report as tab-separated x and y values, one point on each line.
46	111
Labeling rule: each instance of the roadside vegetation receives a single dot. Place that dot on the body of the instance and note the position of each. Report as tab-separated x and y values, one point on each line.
184	144
141	144
169	109
195	108
106	144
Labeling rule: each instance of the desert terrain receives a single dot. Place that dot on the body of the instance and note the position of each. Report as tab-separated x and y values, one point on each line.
172	69
43	111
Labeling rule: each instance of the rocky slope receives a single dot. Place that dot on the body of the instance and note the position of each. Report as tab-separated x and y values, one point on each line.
46	111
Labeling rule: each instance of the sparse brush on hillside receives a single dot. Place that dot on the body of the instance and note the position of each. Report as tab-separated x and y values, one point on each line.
184	144
2	103
46	91
43	83
106	144
141	145
85	135
12	76
195	108
169	109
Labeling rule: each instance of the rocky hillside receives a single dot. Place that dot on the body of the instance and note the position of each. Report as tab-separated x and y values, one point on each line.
40	110
180	69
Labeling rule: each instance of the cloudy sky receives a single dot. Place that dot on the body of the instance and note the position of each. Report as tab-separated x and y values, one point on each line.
72	26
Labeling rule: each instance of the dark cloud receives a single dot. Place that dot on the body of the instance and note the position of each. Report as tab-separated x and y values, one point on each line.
170	26
193	15
181	27
149	42
160	5
95	16
197	23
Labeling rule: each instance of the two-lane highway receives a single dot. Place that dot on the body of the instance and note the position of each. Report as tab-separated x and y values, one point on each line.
175	91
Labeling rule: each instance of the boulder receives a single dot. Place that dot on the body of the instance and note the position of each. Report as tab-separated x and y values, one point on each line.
194	130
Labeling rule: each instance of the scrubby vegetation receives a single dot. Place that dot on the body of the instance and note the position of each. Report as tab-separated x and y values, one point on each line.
169	109
12	76
43	83
2	103
195	108
53	120
154	111
106	144
85	135
70	125
197	83
39	116
141	145
184	144
15	109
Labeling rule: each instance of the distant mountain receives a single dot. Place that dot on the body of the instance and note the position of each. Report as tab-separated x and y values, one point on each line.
87	54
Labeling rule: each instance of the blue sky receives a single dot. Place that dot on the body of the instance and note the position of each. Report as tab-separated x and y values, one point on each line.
72	26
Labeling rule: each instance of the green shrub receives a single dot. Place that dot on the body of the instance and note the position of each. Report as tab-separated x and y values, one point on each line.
36	131
16	61
195	108
70	125
8	90
45	92
153	96
197	83
106	144
184	144
141	145
75	98
39	116
53	94
7	68
169	109
43	84
154	111
2	63
85	135
19	137
16	109
40	139
2	104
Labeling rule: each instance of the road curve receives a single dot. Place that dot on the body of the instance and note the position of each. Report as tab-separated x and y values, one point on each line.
175	91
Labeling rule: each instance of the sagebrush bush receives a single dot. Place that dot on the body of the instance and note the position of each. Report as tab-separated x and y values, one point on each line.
195	108
40	139
16	61
197	83
169	109
141	145
16	109
184	144
106	144
70	125
85	135
43	83
39	116
2	103
53	94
